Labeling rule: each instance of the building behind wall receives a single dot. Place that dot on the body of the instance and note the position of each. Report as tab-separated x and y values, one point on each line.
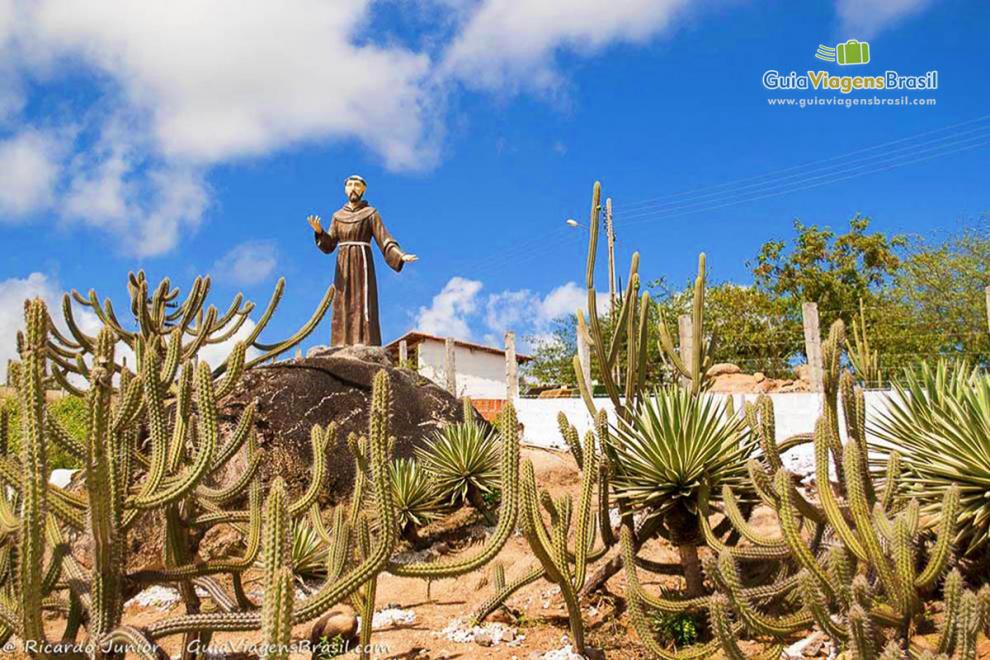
480	371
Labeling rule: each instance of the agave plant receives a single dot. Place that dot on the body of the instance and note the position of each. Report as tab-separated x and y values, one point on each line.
676	448
416	499
938	421
309	553
463	461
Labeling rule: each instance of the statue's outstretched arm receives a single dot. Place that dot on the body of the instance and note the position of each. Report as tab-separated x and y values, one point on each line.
325	240
394	256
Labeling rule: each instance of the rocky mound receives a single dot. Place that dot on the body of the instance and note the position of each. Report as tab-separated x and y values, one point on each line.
330	385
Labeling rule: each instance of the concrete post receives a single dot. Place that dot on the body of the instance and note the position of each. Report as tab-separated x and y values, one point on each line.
686	348
450	367
511	367
813	344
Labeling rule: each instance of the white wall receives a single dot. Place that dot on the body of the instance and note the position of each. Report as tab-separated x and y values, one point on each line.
480	374
793	412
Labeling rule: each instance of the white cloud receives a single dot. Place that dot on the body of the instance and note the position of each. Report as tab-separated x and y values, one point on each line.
230	78
460	311
215	354
148	205
448	315
864	18
248	263
29	167
507	44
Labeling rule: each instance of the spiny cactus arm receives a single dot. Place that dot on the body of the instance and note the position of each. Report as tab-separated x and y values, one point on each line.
585	526
204	456
200	333
635	589
62	504
214	622
34	492
129	405
952	592
763	423
504	592
583	387
859	507
388	529
731	506
173	355
826	496
861	634
756	552
110	317
106	494
320	440
315	519
817	603
235	369
750	616
270	351
842	569
231	328
340	546
242	432
63	439
509	478
154	405
902	547
941	551
787	514
63	381
276	611
720	622
82	339
571	438
886	497
232	309
222	496
626	308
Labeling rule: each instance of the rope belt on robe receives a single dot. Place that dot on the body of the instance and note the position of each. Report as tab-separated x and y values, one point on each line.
364	256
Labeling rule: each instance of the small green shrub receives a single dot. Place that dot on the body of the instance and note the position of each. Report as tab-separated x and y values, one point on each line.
679	629
69	411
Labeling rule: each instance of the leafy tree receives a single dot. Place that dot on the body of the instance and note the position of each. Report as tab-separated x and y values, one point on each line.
936	305
835	271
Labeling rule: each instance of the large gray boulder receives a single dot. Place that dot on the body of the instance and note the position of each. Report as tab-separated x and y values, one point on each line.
331	385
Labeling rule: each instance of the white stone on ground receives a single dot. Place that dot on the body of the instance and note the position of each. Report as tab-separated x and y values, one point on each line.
156	596
392	616
497	633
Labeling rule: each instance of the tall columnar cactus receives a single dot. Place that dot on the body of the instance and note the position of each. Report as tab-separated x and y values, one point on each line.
865	361
159	319
623	382
867	587
152	444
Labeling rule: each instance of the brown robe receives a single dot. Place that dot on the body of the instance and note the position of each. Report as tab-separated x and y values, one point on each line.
355	305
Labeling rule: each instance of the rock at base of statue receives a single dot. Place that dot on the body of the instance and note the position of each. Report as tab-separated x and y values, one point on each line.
330	385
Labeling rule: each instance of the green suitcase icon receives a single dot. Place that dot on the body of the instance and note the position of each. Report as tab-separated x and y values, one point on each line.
853	52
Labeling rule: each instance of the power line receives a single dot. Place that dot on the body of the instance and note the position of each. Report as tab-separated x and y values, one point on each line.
855	174
646	202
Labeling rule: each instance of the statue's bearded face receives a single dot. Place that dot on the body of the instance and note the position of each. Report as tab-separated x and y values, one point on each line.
354	190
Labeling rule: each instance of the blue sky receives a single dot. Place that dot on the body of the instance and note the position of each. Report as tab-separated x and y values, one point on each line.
196	137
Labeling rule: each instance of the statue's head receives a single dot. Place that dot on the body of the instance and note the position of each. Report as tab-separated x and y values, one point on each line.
354	187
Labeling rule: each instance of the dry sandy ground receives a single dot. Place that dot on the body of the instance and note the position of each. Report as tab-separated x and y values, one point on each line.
541	625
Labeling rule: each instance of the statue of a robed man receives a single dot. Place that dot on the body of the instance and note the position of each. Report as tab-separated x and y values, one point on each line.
355	305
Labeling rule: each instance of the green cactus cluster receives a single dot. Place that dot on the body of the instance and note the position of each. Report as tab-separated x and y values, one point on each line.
151	448
855	561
